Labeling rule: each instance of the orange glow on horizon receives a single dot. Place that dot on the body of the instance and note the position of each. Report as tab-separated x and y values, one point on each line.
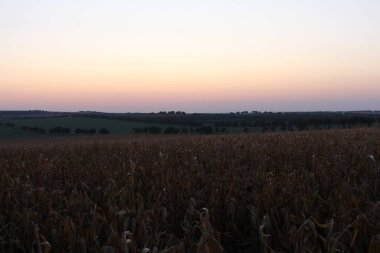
154	56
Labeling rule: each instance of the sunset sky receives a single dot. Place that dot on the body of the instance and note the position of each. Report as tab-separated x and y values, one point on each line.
193	55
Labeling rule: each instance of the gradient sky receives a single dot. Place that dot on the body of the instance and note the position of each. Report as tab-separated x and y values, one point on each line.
193	55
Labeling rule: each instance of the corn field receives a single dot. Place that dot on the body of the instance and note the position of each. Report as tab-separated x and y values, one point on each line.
284	192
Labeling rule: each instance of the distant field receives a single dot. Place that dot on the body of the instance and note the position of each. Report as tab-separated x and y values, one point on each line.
126	126
14	133
116	127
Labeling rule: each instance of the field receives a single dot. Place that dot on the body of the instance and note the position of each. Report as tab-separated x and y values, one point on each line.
44	124
280	192
116	127
7	133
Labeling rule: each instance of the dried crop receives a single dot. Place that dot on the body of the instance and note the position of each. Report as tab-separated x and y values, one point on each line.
283	192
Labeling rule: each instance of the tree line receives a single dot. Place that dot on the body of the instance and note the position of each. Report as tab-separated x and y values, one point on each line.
57	130
85	131
179	130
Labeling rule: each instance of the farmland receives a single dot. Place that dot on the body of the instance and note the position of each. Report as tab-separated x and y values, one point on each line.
44	124
7	133
279	192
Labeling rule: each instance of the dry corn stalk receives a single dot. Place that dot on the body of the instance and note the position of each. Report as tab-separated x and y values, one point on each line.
318	188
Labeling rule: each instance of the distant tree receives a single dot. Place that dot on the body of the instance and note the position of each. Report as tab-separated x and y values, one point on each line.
104	131
36	130
85	131
205	130
246	130
60	130
147	130
136	130
10	124
171	130
155	130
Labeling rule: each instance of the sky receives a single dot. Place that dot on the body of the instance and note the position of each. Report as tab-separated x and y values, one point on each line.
193	56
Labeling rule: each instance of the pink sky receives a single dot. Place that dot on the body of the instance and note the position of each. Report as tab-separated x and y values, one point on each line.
211	56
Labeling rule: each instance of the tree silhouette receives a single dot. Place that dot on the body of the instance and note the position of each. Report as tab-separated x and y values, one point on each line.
104	131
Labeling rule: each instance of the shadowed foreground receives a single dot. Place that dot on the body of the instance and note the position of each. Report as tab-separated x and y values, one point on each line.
292	192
